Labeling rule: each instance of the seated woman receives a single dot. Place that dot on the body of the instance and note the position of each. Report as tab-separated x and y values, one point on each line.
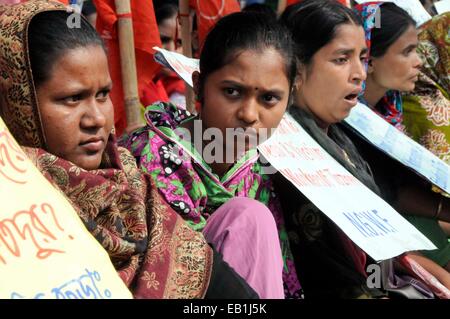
247	69
330	77
393	67
330	50
54	98
426	110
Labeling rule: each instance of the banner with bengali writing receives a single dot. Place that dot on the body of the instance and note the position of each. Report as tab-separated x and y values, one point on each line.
45	249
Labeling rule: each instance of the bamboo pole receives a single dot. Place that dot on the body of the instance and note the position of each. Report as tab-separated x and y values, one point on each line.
128	64
281	6
186	39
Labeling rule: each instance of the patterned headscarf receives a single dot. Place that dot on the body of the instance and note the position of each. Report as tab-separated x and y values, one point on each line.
390	106
434	49
152	248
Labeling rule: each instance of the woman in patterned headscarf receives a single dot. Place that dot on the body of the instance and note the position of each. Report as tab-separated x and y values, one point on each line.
393	67
54	85
427	108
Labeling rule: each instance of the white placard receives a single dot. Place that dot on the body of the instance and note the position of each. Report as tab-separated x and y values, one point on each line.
413	7
179	63
366	219
399	146
442	6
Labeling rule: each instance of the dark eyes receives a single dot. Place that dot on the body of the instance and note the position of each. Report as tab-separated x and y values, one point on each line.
268	98
166	40
72	99
408	51
271	99
101	96
341	60
231	92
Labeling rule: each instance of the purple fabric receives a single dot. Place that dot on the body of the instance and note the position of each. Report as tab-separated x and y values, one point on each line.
244	231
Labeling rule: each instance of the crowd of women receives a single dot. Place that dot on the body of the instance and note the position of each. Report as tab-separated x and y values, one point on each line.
225	228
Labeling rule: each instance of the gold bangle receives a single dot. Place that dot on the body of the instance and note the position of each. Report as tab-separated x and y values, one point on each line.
439	209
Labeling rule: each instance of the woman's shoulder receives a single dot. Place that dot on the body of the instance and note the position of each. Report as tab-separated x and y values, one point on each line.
166	115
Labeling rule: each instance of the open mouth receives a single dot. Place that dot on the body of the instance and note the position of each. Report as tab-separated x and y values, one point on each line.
351	97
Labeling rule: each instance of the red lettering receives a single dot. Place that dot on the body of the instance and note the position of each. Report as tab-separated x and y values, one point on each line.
28	225
12	160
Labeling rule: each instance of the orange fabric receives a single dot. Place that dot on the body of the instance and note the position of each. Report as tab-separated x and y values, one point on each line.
344	2
154	92
173	84
146	36
290	2
209	12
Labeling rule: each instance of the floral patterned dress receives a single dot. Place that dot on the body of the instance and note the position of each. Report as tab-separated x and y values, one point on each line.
188	184
427	108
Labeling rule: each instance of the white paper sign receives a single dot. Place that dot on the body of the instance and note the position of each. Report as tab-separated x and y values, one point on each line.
366	219
442	6
413	7
399	146
179	63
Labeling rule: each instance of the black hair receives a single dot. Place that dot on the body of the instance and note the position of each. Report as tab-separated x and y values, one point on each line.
88	8
164	9
313	24
49	37
245	31
394	21
262	8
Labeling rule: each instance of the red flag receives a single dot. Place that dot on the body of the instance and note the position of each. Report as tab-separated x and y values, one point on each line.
146	36
209	12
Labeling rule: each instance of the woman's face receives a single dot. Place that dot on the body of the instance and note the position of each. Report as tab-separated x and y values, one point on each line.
250	92
329	86
169	32
75	107
398	68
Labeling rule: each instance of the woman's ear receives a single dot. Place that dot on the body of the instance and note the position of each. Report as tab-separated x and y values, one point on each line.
300	78
196	83
370	67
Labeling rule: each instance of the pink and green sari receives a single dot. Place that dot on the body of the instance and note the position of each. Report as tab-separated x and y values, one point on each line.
188	184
